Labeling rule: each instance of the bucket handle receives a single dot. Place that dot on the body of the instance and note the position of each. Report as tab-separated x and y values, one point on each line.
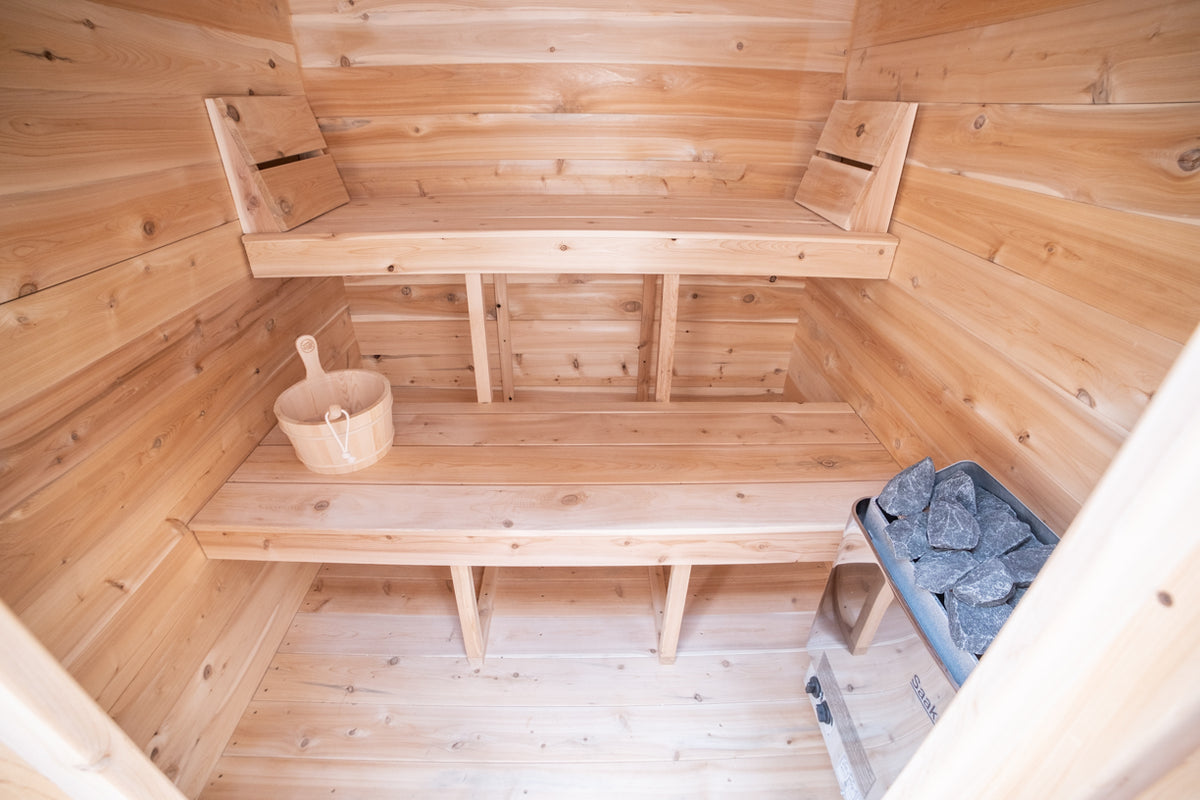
336	411
306	346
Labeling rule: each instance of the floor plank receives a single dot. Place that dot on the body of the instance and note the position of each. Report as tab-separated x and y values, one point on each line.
370	696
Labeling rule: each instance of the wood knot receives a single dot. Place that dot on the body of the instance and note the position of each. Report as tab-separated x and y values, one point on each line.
508	523
979	122
570	500
563	248
271	63
149	228
232	112
207	672
741	46
860	130
321	505
26	289
392	268
749	298
1084	397
344	61
1189	160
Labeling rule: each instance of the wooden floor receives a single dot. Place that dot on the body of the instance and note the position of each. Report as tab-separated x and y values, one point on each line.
370	696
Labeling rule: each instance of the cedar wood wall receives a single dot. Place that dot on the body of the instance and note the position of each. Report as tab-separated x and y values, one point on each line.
1039	295
1049	219
691	98
139	360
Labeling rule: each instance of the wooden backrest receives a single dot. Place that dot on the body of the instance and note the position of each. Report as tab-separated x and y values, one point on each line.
852	179
275	160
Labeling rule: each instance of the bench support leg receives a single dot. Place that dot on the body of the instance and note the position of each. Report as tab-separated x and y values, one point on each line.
668	606
474	613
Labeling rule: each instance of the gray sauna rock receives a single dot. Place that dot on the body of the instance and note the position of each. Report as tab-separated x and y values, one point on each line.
973	628
908	492
952	527
938	571
909	536
999	533
986	503
957	487
989	584
1025	562
1018	593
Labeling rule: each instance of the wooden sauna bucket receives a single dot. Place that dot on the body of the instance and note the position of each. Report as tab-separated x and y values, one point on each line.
339	421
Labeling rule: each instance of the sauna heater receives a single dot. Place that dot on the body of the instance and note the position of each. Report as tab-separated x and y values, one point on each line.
883	665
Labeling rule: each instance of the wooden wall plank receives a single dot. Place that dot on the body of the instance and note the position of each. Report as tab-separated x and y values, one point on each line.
54	726
53	139
573	176
1110	366
266	18
193	733
50	237
567	136
538	88
1123	264
92	46
549	35
969	400
1099	52
833	10
1125	157
107	310
898	20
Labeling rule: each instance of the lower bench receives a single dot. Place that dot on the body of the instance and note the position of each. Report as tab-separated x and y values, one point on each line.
662	485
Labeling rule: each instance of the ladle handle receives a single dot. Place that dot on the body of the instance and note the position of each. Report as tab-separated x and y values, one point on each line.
306	346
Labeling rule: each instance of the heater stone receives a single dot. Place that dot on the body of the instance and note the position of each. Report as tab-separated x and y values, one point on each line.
909	490
1025	562
989	584
999	533
909	536
938	571
986	503
957	487
952	527
973	628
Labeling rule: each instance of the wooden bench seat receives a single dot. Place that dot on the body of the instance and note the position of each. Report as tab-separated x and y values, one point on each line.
465	485
298	219
572	234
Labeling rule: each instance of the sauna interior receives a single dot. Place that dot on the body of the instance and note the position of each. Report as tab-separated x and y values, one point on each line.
1044	283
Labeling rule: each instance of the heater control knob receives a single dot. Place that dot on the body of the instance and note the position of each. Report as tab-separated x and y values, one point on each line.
823	714
813	686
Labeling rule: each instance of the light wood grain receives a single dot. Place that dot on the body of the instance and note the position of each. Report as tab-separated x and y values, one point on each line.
1087	53
1115	590
54	236
1127	265
399	90
369	659
100	47
59	731
547	35
1125	157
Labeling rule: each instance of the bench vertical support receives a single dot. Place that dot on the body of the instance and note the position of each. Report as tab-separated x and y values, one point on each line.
666	338
646	334
504	336
670	610
472	620
479	347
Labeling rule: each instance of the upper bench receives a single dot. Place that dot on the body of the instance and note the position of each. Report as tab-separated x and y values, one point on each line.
298	219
